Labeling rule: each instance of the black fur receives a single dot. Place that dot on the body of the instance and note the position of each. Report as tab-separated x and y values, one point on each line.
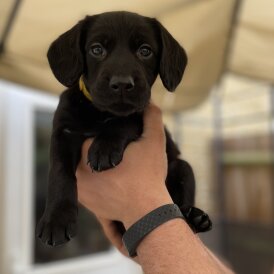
119	80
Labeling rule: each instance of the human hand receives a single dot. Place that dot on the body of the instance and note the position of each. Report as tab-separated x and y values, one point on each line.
114	235
137	185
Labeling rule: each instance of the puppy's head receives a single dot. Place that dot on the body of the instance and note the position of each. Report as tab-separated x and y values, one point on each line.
119	55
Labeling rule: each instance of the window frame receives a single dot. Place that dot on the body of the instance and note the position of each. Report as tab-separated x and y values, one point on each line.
20	104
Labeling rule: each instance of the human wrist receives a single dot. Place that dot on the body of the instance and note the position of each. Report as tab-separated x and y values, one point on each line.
138	231
145	205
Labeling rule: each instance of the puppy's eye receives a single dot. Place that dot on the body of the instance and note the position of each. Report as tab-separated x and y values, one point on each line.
97	50
144	51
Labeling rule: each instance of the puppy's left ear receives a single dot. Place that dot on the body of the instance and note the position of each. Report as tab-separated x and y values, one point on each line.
173	59
65	55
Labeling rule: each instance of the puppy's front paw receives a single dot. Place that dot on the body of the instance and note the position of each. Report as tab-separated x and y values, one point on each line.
103	155
197	219
56	229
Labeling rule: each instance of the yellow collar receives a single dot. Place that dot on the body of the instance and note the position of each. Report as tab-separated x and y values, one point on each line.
83	88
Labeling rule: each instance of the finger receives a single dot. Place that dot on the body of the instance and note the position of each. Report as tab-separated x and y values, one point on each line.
85	148
84	159
153	123
83	172
113	234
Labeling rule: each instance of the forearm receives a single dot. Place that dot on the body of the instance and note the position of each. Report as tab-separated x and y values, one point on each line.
172	248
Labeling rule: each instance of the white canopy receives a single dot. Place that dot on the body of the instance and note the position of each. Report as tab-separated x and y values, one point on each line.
203	27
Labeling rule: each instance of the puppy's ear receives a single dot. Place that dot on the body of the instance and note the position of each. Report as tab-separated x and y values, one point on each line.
65	56
173	59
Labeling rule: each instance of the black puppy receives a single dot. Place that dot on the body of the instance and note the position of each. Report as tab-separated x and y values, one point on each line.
117	57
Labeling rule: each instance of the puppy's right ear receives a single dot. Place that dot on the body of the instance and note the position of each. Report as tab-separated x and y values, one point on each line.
65	56
173	59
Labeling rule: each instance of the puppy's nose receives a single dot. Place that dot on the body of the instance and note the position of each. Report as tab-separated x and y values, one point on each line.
121	83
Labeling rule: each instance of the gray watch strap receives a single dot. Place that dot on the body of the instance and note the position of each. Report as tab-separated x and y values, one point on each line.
134	235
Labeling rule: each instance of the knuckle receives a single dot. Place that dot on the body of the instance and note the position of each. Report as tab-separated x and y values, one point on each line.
87	144
156	110
159	136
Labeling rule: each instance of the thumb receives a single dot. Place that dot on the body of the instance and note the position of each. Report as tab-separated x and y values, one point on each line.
153	123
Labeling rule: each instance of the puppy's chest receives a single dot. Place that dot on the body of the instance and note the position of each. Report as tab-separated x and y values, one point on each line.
85	118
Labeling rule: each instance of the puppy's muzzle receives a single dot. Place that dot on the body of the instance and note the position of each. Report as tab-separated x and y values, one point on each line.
121	83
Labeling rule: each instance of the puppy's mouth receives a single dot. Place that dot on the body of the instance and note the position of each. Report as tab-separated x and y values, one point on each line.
121	108
124	109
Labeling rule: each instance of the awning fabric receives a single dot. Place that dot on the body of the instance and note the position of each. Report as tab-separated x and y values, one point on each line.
203	27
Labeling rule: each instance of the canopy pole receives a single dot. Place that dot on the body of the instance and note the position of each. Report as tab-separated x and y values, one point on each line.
219	171
9	24
272	143
231	33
